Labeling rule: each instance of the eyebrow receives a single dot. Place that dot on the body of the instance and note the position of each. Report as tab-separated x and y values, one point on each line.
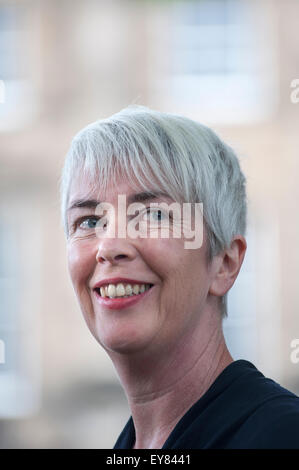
84	203
135	197
146	196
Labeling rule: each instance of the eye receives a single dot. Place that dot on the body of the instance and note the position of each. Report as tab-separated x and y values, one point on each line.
87	223
156	214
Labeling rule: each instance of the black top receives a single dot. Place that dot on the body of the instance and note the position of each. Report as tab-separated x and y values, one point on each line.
242	409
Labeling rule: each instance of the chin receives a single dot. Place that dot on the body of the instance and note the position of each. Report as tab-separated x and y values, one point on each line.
122	342
121	346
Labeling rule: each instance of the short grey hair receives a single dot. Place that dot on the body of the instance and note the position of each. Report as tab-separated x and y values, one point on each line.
169	152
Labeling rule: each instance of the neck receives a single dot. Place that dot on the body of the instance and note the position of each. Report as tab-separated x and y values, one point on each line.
162	388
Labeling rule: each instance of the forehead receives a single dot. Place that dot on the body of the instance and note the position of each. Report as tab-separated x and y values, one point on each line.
83	187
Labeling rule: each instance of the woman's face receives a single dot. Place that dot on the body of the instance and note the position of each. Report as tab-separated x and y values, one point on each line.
155	319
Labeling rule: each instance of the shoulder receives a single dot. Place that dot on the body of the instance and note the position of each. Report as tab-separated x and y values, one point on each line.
256	412
243	409
273	424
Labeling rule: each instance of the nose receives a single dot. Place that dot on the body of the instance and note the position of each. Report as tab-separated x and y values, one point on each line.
114	250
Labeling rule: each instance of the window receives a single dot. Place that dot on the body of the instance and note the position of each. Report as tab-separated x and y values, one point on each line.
19	318
215	61
16	90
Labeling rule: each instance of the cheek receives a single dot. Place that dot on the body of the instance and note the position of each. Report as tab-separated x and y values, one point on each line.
182	272
168	259
81	262
161	255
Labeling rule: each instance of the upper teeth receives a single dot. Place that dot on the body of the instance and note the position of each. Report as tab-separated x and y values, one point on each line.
123	290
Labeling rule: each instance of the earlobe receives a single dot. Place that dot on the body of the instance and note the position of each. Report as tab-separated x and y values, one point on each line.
227	266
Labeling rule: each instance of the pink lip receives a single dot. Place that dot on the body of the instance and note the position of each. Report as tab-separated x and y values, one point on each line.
119	303
115	280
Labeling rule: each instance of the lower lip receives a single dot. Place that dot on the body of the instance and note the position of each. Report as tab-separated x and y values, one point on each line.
121	302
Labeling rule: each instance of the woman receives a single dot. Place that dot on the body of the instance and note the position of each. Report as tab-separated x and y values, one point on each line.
155	305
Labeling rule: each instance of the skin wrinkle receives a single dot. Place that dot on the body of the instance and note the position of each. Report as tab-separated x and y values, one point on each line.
204	387
180	350
167	428
161	392
170	348
183	398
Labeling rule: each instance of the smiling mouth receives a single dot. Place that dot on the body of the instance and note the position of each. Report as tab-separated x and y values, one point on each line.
122	291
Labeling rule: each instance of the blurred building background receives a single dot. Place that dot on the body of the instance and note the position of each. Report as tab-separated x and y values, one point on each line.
63	64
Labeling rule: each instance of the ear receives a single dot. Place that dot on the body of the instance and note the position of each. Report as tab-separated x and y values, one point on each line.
227	266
